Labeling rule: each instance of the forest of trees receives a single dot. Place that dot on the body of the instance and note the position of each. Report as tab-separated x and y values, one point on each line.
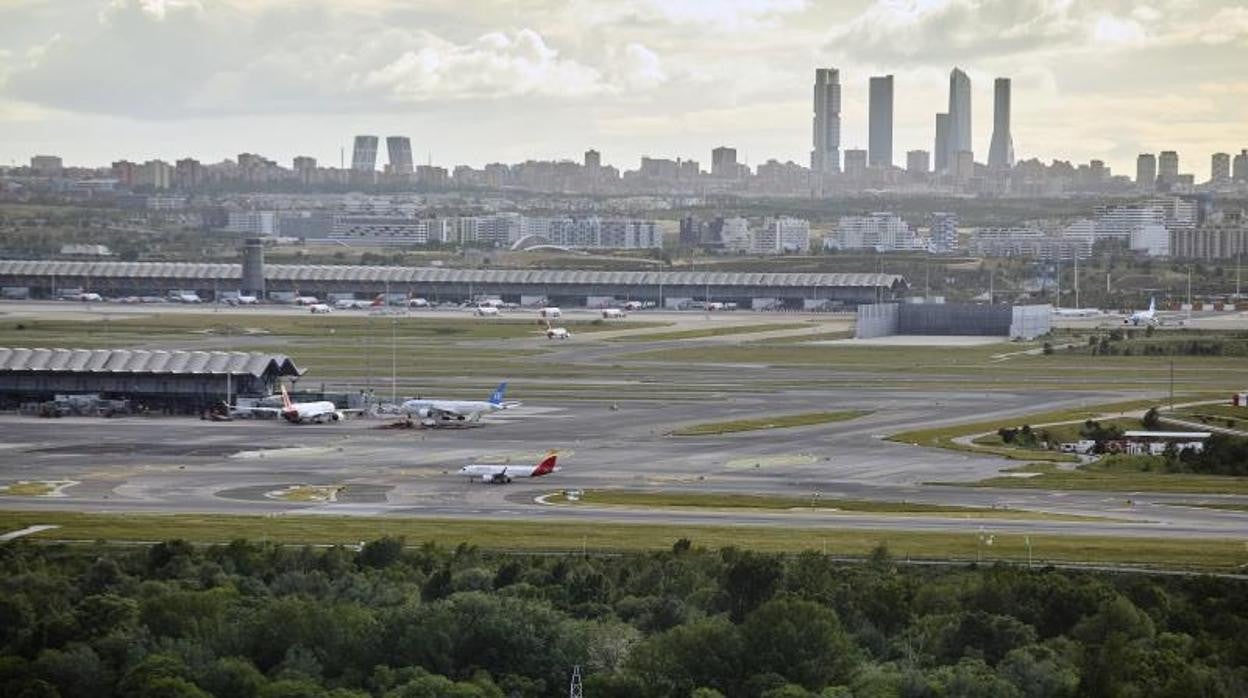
256	619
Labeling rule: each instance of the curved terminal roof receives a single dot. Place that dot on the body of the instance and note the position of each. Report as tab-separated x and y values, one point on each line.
428	275
143	361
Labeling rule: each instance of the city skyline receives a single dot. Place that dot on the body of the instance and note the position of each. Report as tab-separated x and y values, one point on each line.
510	83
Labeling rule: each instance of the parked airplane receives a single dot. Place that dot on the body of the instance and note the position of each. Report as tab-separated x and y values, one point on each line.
1076	312
306	300
242	300
557	333
1146	317
319	308
495	474
486	311
431	412
87	297
317	412
613	314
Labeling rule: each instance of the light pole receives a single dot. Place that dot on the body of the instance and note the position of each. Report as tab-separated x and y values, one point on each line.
394	360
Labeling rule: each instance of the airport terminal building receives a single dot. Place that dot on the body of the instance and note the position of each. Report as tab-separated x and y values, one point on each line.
670	289
172	381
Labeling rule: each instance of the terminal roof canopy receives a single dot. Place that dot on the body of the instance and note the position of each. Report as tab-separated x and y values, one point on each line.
144	361
419	275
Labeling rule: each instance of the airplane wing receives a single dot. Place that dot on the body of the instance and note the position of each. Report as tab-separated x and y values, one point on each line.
269	410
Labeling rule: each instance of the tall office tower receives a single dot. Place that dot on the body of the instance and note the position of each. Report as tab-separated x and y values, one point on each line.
593	159
1220	168
959	113
364	155
724	162
1239	172
880	130
856	164
1168	166
1146	170
399	148
918	162
826	156
1001	150
942	143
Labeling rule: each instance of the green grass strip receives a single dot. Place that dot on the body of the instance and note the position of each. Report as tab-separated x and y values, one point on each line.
759	423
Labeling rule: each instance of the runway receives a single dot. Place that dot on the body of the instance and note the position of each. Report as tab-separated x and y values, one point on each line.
181	465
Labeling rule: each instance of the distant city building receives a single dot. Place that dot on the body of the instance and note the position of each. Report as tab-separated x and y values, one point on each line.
880	127
781	235
724	163
593	160
432	176
1146	170
856	164
1152	240
364	154
188	174
1224	239
825	158
943	232
734	234
387	230
126	172
1001	149
941	149
303	163
918	162
962	166
252	223
959	114
399	150
46	165
1239	172
1220	167
878	231
1168	167
1028	242
155	174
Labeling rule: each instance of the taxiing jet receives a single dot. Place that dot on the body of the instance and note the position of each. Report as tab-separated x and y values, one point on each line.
431	412
495	474
1143	317
317	412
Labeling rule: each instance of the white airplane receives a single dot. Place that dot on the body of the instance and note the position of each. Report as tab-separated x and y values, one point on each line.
306	300
634	305
319	308
1145	317
557	333
486	311
431	412
242	300
318	412
613	314
495	474
550	312
87	297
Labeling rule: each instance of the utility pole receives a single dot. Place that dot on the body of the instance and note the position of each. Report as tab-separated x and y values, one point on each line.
394	360
1077	306
1189	290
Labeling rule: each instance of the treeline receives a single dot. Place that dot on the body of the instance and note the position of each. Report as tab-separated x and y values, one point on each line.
258	620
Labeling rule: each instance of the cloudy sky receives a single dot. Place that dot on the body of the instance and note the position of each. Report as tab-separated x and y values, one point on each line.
475	81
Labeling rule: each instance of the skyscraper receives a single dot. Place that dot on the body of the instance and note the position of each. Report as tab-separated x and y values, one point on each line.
959	113
880	132
1001	150
593	159
1220	167
1239	169
724	162
1146	170
826	156
942	143
917	162
364	154
399	150
1168	167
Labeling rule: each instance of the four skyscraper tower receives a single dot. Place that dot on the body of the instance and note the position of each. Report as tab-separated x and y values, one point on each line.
954	149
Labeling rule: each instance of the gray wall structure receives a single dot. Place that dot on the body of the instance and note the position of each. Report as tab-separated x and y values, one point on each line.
952	319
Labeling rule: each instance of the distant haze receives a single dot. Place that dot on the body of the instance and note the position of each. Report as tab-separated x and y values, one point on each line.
505	80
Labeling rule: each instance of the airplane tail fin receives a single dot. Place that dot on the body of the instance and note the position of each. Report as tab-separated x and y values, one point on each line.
286	404
546	466
1152	304
496	398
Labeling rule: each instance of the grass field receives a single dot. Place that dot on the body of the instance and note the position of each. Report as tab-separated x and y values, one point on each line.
1221	506
1058	433
943	437
633	498
718	331
1109	476
27	489
760	423
1206	554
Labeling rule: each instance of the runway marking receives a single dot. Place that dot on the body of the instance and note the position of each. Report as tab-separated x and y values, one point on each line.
779	460
306	493
13	535
292	452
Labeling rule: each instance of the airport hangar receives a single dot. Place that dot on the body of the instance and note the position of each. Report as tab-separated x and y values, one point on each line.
169	381
671	289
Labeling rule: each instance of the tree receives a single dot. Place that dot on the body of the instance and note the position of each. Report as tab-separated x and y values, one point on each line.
800	640
383	552
1151	420
748	581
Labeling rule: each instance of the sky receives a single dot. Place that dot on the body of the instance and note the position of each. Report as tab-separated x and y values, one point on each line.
477	81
